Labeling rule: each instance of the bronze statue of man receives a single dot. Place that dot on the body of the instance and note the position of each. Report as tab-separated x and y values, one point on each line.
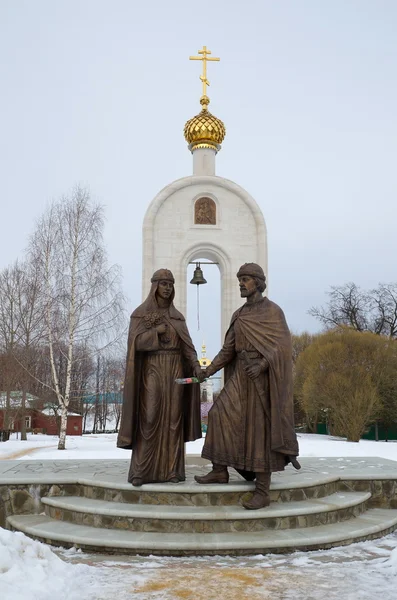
159	415
251	424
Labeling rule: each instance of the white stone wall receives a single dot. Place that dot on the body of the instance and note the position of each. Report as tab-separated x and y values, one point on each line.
204	161
171	239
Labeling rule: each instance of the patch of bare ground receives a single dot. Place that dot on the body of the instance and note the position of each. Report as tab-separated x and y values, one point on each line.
20	453
211	583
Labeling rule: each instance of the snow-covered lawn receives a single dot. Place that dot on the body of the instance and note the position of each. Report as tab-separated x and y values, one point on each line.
77	447
100	446
30	570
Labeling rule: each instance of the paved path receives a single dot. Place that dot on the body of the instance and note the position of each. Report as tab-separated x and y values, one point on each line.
20	453
114	472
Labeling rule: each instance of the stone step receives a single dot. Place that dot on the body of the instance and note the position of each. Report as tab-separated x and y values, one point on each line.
206	519
372	524
190	493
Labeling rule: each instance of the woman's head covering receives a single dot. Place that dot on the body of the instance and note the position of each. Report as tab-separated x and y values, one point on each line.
150	304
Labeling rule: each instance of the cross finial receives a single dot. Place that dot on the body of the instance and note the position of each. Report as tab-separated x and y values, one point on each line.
204	57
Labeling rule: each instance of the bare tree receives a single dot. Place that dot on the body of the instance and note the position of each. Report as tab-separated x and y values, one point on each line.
109	376
115	377
384	306
19	329
374	310
9	325
348	305
116	413
81	375
80	293
97	424
31	327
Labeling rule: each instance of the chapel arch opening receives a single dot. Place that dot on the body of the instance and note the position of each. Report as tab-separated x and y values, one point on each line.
204	305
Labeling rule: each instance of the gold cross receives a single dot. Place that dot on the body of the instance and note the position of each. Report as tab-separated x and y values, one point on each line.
205	56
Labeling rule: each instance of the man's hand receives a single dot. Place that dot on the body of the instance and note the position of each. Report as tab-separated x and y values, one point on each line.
162	328
256	368
199	373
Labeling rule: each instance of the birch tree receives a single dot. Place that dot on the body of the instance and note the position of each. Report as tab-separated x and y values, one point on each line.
80	292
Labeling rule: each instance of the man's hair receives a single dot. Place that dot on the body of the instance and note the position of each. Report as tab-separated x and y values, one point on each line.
260	284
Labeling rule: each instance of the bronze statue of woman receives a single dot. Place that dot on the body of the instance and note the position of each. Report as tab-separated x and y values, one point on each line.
159	415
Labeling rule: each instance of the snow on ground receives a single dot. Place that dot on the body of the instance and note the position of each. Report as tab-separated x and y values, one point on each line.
103	445
94	446
30	570
326	445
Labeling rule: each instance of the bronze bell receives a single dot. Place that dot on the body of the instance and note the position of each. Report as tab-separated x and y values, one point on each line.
198	278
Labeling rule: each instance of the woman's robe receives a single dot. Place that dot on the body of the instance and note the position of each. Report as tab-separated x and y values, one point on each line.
159	415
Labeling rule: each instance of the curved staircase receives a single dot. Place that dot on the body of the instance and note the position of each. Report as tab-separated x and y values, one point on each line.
193	519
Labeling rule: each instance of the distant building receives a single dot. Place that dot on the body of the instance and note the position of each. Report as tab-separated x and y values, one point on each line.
104	398
39	416
48	421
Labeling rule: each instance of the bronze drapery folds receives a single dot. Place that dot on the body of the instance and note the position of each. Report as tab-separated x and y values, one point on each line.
251	425
158	414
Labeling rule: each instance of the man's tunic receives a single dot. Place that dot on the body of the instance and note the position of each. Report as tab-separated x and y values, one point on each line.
251	425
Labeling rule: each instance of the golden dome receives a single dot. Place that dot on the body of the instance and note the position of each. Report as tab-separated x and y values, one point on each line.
204	361
204	130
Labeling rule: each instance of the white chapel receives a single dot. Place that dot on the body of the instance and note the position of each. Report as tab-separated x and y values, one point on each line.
204	216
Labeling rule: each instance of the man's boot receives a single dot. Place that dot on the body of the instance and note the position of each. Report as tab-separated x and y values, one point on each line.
261	495
219	474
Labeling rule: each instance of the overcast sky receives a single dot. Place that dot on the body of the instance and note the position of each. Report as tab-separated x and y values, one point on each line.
97	92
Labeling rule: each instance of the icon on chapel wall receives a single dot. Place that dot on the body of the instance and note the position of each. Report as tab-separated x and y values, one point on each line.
205	212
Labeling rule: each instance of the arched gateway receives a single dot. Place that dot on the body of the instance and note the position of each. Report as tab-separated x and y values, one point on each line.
203	216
